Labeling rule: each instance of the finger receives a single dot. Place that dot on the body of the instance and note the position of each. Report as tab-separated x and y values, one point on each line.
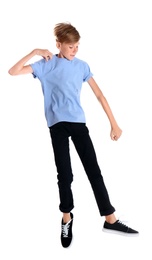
45	57
114	138
50	55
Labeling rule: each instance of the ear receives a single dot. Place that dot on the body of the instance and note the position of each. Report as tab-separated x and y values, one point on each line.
58	44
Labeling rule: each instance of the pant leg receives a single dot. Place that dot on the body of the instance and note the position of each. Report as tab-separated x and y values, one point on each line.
60	142
85	149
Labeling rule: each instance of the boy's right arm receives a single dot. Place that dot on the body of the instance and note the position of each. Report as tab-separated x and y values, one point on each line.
20	67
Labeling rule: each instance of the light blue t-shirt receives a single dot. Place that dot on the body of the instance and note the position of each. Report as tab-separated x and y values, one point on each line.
61	82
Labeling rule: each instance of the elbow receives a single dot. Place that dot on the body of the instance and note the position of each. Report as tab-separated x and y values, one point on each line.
11	72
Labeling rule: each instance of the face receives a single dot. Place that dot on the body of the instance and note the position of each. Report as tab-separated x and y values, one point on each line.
67	50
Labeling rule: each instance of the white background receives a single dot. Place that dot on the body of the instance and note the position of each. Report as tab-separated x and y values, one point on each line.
116	42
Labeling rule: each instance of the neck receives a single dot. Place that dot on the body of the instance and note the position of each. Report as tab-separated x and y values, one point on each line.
60	55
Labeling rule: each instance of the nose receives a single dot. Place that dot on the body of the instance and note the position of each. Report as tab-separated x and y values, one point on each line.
75	50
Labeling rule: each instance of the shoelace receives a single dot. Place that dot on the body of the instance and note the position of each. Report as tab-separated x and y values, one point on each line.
122	224
65	229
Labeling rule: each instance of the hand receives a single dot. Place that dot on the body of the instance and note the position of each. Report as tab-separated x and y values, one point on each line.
115	133
46	54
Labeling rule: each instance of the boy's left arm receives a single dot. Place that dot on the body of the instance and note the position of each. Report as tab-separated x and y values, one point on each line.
115	129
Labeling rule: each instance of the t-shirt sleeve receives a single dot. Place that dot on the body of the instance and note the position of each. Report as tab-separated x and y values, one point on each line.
38	68
87	72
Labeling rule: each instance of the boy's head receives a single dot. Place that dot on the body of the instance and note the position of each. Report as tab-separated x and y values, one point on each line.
67	40
66	33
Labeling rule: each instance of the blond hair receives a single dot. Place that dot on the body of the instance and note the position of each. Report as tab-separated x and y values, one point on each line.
65	32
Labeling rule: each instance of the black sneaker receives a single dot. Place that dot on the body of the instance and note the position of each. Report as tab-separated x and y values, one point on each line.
119	228
66	232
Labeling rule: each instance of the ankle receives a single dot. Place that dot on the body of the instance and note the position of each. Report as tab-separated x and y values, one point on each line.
111	219
66	217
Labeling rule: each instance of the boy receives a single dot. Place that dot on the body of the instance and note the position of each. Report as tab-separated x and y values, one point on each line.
61	78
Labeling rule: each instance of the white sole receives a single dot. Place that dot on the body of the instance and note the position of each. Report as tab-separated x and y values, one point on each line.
120	233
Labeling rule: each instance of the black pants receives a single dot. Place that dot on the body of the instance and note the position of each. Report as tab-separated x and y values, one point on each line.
79	134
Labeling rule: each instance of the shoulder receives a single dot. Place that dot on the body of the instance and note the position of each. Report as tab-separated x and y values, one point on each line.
42	63
81	62
84	68
41	67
